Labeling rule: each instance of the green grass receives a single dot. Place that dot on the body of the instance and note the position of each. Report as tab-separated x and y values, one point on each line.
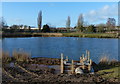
31	34
90	35
75	34
110	73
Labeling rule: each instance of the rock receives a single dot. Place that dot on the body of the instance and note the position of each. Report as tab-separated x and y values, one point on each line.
78	70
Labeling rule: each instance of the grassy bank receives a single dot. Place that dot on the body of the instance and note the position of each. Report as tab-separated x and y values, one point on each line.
31	35
110	73
91	35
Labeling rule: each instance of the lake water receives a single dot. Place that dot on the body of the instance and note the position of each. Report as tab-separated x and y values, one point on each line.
73	47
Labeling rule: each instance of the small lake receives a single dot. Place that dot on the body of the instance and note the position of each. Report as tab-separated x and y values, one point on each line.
73	47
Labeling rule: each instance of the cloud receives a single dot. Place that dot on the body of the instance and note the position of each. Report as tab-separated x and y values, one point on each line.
102	14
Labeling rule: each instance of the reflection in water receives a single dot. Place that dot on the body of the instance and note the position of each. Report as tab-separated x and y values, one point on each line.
73	47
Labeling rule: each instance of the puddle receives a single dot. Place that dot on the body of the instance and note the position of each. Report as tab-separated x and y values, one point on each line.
42	66
12	64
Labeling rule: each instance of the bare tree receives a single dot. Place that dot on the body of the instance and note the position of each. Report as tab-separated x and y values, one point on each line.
111	22
2	23
39	20
80	23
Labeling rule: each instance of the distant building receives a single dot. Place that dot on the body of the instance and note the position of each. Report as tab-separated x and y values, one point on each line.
34	28
63	29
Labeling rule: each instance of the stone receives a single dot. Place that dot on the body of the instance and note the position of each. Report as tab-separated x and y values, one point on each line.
78	70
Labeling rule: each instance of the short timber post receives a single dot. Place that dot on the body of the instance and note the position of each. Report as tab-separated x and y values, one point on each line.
90	61
62	65
88	56
83	66
66	58
89	66
72	67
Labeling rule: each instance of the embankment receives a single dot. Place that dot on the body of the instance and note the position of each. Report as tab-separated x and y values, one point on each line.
88	35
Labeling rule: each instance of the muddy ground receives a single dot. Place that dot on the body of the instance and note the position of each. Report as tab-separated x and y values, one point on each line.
43	70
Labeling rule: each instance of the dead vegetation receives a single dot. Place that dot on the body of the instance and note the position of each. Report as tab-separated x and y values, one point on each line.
21	56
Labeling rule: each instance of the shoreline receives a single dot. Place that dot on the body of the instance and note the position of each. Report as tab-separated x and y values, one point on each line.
82	35
33	71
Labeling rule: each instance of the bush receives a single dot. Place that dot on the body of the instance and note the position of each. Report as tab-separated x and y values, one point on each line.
46	28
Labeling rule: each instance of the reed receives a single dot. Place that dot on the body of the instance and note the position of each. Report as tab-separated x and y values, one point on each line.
104	59
21	56
6	57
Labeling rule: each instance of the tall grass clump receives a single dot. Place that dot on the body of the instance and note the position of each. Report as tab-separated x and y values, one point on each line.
6	57
104	60
21	56
106	63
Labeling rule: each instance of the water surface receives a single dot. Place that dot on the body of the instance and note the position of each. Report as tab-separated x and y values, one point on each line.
73	47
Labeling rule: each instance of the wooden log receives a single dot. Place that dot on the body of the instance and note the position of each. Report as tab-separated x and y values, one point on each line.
62	64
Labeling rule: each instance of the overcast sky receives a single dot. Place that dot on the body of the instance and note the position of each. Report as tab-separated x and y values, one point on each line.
56	13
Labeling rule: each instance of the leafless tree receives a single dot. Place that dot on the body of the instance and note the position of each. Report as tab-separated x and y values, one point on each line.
2	23
111	22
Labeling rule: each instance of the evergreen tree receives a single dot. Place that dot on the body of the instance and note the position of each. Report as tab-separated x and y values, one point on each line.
39	20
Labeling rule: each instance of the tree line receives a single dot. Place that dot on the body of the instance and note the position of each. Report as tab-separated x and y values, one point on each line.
79	27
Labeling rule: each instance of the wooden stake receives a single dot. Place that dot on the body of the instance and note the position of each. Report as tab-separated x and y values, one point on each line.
83	56
88	56
89	66
72	67
62	65
66	58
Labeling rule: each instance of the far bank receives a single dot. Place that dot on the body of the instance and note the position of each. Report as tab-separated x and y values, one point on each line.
89	35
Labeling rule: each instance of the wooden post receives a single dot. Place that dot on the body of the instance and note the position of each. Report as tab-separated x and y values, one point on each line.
88	56
62	65
83	65
72	67
83	56
89	66
66	58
